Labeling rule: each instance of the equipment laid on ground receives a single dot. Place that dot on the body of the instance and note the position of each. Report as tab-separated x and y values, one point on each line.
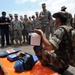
10	51
26	62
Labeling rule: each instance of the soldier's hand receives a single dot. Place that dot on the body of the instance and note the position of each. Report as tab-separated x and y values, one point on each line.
39	31
41	17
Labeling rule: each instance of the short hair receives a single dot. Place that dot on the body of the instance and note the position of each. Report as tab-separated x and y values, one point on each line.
3	12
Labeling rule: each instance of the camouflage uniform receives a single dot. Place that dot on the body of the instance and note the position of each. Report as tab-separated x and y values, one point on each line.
45	23
33	22
11	32
30	24
37	21
17	30
69	21
52	27
26	28
21	19
68	15
55	59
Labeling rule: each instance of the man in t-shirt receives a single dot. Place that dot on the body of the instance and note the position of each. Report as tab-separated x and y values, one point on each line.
4	27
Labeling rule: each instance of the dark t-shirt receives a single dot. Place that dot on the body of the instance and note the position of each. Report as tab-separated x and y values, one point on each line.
4	20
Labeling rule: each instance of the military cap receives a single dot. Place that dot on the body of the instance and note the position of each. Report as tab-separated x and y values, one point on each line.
15	14
10	15
60	15
36	12
63	8
43	5
25	15
21	16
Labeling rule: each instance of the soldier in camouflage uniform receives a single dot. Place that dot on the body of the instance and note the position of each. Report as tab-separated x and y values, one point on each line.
37	21
30	23
54	52
21	19
44	17
26	27
33	22
69	15
11	33
17	29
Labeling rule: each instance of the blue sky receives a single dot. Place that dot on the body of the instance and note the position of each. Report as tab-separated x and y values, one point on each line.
29	7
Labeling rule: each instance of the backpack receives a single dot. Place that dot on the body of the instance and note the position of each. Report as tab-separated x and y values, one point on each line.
70	33
19	66
26	62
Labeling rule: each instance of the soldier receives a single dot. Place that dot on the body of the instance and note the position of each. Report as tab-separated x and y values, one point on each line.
22	20
37	21
26	27
69	15
44	17
11	33
30	23
33	22
17	29
55	53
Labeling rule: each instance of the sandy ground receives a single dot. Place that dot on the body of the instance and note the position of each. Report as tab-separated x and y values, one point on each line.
29	49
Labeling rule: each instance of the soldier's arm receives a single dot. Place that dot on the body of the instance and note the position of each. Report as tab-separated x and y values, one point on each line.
12	24
54	41
46	43
49	17
41	16
21	25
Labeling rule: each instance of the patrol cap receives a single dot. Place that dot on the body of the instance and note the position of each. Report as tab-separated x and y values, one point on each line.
10	15
15	14
63	8
60	15
43	5
36	12
25	15
21	16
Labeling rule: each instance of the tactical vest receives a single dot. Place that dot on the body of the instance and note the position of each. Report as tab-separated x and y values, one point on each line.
66	47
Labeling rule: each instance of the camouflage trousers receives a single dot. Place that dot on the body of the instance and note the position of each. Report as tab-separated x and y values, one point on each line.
17	35
50	59
11	34
46	30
